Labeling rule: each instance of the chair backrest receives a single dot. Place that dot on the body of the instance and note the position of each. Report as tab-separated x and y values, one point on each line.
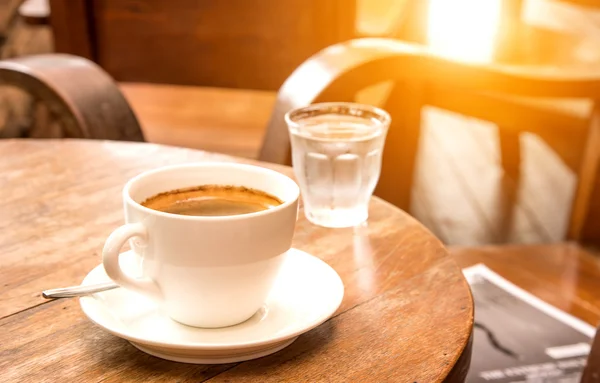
73	98
227	43
496	93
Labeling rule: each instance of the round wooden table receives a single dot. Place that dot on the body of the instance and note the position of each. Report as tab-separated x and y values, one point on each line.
407	313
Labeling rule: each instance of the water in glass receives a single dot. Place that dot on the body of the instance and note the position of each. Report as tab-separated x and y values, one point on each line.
337	162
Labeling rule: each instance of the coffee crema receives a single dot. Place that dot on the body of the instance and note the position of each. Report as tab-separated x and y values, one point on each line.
212	200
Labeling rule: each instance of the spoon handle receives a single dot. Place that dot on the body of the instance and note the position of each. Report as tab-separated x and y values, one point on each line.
78	291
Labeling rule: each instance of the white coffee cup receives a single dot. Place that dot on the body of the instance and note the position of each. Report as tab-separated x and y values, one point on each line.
206	271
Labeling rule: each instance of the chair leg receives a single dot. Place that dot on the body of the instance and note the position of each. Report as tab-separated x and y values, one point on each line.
402	143
510	155
585	215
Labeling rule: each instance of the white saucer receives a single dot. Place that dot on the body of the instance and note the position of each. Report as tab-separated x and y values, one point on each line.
307	292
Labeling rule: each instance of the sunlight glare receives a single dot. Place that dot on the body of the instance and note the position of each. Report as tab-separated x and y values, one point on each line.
463	29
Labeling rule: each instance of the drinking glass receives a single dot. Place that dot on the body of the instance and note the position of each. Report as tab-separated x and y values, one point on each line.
336	154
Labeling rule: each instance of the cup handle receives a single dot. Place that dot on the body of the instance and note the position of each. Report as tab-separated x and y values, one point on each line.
110	260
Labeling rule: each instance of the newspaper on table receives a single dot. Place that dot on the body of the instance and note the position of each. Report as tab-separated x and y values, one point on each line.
520	338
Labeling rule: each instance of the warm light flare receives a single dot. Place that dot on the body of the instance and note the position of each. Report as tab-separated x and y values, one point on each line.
463	29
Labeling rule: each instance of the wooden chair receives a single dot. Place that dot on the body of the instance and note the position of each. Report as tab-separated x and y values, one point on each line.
73	98
516	98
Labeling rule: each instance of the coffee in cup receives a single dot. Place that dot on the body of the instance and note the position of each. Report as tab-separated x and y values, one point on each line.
212	200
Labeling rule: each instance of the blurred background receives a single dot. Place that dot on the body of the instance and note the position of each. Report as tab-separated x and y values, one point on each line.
205	74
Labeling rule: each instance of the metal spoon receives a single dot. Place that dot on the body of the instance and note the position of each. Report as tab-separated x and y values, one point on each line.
78	291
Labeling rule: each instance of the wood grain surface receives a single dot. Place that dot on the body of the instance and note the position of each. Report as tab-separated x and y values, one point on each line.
407	312
200	117
232	43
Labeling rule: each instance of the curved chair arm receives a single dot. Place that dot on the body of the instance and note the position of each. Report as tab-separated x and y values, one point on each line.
80	94
339	71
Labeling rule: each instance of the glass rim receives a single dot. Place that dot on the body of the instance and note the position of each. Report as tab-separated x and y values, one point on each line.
381	116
